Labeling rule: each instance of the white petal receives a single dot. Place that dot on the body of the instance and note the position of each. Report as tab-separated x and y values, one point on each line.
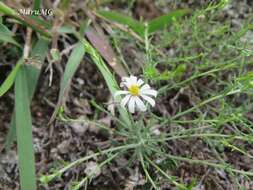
140	104
120	92
131	104
145	87
151	101
133	80
140	82
149	92
125	100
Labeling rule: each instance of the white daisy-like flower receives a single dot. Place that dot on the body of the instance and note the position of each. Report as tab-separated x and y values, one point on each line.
136	92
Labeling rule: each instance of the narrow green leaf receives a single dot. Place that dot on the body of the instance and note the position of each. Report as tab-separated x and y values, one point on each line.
7	36
71	67
135	25
39	50
5	30
179	71
6	10
8	39
24	132
109	78
66	29
36	5
55	53
41	22
10	79
160	22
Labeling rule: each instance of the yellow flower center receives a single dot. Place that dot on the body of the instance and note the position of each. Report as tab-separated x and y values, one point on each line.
134	90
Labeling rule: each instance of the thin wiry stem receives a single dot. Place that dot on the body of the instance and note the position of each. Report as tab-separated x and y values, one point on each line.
164	173
246	138
48	178
81	183
146	172
208	163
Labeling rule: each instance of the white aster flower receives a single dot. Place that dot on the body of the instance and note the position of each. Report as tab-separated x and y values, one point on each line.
136	92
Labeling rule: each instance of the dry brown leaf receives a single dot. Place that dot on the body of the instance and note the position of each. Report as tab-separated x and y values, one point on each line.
101	43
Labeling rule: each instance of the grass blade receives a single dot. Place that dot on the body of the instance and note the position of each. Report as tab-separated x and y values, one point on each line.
36	4
71	67
135	25
40	50
10	79
6	10
24	132
109	78
160	22
7	36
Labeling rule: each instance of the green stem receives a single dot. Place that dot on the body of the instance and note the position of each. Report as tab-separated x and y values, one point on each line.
231	92
7	10
146	172
208	163
207	135
165	174
36	4
80	184
177	85
48	178
197	106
